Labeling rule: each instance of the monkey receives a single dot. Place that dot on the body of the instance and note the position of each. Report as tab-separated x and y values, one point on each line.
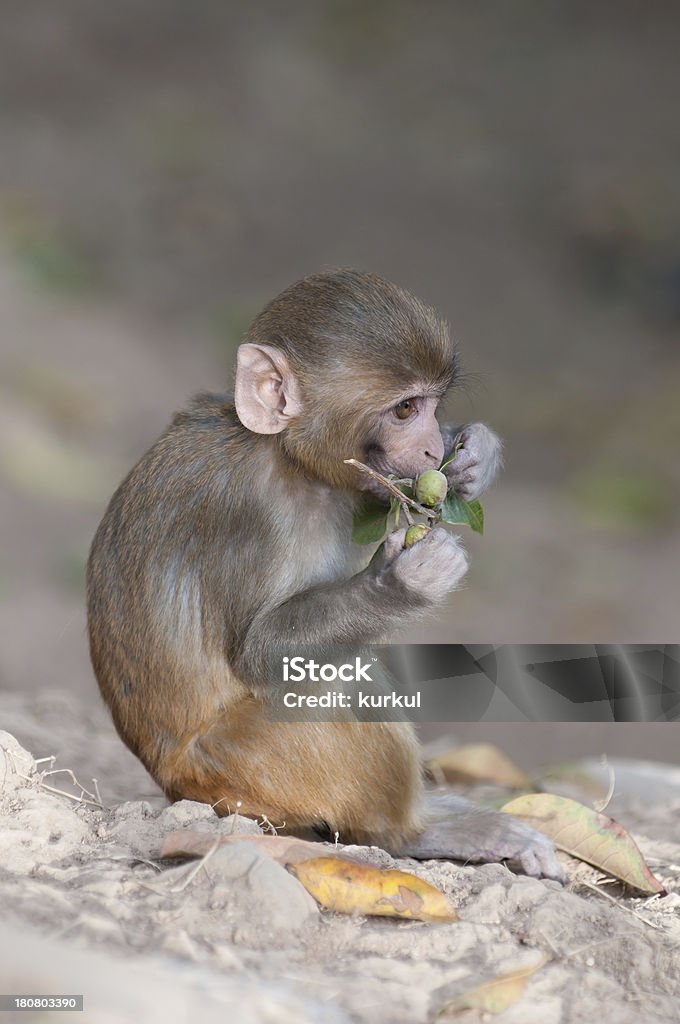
231	538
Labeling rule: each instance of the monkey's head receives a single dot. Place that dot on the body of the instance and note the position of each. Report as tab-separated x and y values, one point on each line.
346	365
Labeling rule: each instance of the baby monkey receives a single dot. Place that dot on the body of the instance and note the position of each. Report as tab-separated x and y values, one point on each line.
231	538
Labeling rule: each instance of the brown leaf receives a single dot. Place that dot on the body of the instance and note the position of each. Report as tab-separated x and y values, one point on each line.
476	762
588	835
347	887
188	842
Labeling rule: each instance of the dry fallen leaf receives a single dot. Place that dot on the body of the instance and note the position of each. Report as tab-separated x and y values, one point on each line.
587	834
190	842
336	881
495	995
475	762
346	887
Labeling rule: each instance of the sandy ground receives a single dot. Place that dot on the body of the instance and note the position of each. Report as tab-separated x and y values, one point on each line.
89	908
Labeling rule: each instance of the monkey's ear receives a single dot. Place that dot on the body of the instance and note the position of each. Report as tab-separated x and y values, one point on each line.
267	393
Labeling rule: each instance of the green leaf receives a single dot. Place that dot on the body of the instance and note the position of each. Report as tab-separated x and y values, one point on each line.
370	523
463	513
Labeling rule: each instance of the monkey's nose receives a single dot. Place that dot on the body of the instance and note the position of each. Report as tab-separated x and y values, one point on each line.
435	453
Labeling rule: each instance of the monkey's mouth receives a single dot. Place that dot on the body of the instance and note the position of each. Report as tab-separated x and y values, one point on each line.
375	458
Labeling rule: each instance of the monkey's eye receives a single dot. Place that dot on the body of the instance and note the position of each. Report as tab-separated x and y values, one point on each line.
405	408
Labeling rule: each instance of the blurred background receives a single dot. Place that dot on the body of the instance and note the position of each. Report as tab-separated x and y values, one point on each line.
166	168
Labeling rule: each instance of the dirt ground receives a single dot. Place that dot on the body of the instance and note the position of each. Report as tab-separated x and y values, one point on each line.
144	939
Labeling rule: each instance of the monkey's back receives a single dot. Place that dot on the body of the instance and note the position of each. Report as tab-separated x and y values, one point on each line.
169	589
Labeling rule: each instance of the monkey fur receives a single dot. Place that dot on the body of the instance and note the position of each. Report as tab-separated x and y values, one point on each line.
232	537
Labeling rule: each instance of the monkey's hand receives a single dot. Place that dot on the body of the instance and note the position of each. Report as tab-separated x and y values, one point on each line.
432	568
476	463
460	830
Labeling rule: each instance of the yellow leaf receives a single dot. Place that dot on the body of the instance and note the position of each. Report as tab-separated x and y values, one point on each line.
588	835
347	887
479	762
495	995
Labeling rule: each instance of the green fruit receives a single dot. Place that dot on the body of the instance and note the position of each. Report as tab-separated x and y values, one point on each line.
415	533
431	488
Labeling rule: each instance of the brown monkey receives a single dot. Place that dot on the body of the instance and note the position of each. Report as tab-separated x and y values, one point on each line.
232	536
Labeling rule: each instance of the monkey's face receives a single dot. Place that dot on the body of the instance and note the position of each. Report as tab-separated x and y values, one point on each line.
330	415
347	366
406	441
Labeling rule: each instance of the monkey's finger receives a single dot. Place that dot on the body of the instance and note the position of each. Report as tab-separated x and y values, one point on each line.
468	488
534	851
541	862
464	460
466	477
438	537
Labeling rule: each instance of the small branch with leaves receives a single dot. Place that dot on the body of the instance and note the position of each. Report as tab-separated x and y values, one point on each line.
436	504
403	499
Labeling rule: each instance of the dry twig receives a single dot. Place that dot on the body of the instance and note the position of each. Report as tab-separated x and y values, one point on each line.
405	501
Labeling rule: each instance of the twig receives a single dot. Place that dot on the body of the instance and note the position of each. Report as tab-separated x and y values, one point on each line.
235	818
617	903
71	796
173	890
266	825
74	780
222	800
389	486
38	778
51	758
96	790
194	871
599	805
407	514
131	858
